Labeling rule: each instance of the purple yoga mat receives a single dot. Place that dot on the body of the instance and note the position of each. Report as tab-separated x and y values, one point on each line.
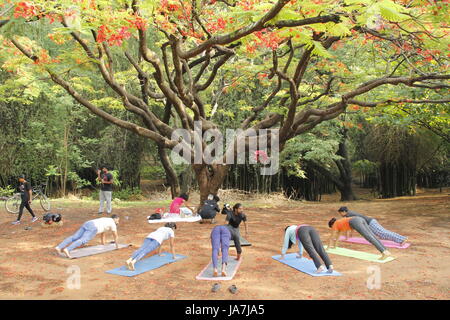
386	243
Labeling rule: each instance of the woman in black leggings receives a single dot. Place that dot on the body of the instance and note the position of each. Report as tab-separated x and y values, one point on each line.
307	237
360	225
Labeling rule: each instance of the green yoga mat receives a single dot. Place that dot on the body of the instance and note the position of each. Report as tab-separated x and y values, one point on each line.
359	255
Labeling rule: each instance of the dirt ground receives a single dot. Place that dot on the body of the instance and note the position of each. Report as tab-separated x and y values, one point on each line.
30	269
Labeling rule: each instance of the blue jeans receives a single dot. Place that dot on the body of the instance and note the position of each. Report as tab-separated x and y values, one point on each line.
85	234
220	238
148	246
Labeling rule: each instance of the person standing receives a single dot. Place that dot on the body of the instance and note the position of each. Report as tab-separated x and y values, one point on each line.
106	179
26	193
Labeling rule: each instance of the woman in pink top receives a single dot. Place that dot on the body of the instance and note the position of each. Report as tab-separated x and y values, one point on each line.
180	204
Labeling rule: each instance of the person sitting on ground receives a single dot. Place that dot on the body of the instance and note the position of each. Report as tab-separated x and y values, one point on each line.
309	238
181	206
234	220
88	231
358	224
209	209
220	240
154	241
376	228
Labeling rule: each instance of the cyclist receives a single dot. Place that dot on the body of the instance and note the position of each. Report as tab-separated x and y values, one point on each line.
26	193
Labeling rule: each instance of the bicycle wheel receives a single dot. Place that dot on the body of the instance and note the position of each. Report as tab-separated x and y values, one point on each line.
45	203
12	204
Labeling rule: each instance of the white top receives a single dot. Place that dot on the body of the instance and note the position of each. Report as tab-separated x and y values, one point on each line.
162	234
104	224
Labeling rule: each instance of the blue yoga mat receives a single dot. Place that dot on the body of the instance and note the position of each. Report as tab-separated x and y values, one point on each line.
145	265
303	265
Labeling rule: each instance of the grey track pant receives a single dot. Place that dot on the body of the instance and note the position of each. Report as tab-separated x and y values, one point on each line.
360	225
105	196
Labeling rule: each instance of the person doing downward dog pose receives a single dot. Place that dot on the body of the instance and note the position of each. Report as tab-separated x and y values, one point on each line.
306	236
154	241
88	231
220	240
376	228
234	220
358	224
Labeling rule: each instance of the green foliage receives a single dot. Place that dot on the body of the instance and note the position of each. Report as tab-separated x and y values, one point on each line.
6	191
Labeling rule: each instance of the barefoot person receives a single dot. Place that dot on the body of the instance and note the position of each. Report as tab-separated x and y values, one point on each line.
358	224
88	231
26	193
154	241
220	240
234	220
376	228
307	237
180	205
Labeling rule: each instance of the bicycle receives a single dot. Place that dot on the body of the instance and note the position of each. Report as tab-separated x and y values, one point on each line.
12	204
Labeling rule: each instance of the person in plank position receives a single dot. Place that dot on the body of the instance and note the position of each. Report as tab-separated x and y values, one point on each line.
154	241
220	240
376	228
234	220
88	231
358	224
306	236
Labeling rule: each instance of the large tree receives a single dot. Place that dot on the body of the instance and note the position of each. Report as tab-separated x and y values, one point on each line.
176	53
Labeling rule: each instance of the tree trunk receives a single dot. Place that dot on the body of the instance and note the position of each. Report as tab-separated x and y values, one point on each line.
345	171
171	175
209	178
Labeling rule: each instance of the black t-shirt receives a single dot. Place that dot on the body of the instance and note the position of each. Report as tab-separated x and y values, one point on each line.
106	186
24	188
235	220
209	208
356	214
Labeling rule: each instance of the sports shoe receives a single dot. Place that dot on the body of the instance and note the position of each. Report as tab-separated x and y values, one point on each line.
16	222
34	219
215	287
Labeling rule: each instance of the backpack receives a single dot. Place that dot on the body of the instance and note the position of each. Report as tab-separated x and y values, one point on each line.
154	216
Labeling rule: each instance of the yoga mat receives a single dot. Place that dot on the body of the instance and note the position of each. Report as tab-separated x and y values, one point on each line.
359	255
92	250
386	243
145	265
244	243
232	267
304	265
175	219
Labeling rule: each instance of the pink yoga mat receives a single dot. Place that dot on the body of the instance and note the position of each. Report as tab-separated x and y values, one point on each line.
386	243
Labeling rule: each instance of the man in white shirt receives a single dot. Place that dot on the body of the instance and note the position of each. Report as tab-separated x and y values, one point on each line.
154	241
88	231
